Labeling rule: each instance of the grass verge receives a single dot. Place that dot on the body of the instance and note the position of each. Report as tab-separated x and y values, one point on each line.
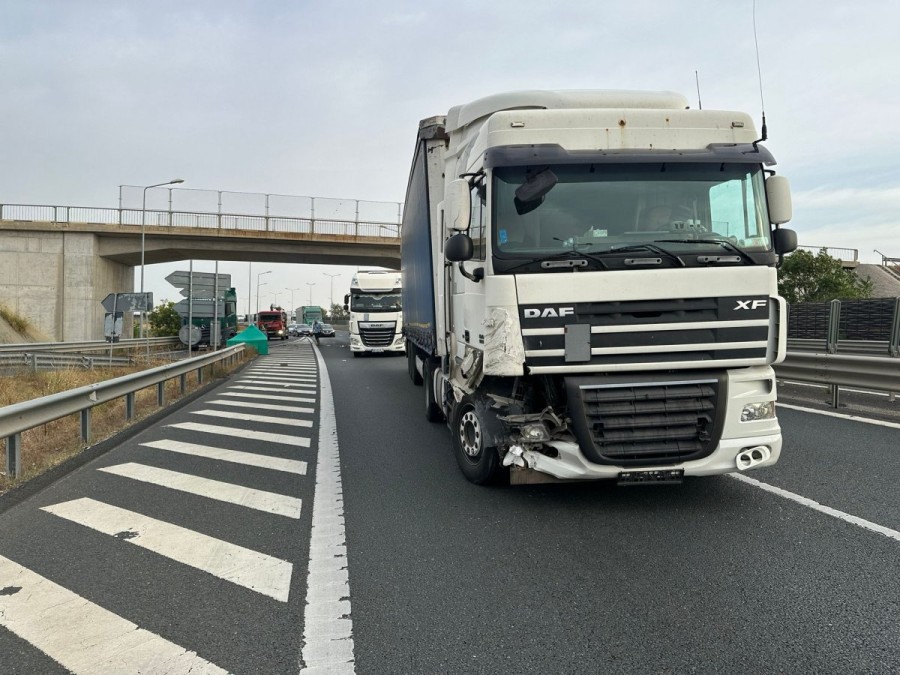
49	445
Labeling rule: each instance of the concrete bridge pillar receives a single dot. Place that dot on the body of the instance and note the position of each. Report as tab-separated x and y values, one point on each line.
56	280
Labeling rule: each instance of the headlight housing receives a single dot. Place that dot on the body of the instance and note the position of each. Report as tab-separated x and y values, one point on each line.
753	412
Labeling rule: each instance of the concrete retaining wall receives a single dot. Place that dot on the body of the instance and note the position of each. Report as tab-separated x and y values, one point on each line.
57	280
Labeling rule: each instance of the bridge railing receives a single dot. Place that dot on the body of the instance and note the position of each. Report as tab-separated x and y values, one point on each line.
198	219
846	255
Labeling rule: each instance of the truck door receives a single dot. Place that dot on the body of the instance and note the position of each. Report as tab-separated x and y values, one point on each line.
467	314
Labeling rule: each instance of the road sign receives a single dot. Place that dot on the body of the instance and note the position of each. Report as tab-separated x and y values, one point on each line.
128	302
112	326
203	292
182	279
202	308
191	333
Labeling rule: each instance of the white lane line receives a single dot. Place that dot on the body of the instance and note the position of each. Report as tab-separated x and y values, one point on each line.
282	371
244	417
84	637
260	500
275	384
268	397
264	406
248	434
327	626
828	413
234	456
821	508
242	566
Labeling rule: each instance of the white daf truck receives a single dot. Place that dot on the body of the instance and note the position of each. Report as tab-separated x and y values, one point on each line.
376	321
589	286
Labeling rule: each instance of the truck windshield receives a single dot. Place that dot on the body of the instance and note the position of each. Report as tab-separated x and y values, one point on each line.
597	207
385	302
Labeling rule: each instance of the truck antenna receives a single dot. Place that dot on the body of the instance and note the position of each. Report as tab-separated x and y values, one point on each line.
762	102
697	78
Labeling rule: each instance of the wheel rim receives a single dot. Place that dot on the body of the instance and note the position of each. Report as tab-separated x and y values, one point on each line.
470	434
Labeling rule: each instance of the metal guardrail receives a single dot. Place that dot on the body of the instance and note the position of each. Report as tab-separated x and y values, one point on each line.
841	370
194	220
55	360
87	345
15	419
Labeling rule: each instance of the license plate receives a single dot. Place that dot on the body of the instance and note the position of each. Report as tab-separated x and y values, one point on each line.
377	351
663	477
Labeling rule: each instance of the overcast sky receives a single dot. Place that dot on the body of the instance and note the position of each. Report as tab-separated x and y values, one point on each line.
323	99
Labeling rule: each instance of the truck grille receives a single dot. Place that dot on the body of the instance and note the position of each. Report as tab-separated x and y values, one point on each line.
646	423
676	332
380	334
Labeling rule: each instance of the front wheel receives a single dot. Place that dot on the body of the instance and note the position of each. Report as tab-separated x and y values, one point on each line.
479	462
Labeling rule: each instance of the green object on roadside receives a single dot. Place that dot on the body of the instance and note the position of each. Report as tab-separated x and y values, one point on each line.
252	336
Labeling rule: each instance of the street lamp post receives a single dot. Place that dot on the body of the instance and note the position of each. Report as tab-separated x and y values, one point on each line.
310	284
276	294
143	226
293	306
257	290
331	289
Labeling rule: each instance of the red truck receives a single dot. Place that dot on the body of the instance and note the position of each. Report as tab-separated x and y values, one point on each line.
273	322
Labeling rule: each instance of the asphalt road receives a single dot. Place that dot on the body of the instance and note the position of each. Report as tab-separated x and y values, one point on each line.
714	575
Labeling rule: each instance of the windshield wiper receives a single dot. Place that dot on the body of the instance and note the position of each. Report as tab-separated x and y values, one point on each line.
715	240
571	255
647	247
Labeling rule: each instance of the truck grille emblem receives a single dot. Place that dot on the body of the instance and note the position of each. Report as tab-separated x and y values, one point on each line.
548	312
750	304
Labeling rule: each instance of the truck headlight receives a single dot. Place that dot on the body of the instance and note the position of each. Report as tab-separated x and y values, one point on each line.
758	411
535	432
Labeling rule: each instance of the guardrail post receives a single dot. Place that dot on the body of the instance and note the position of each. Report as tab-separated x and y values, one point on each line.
200	375
831	342
183	381
894	344
161	394
86	425
129	406
13	458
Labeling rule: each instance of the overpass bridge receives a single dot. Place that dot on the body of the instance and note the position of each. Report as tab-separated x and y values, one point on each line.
58	262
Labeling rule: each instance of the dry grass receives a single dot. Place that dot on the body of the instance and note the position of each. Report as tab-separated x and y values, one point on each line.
18	323
47	446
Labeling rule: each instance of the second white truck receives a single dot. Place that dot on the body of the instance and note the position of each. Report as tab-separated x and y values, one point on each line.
376	320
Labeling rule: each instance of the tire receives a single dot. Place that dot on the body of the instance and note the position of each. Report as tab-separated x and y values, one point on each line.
414	373
479	464
356	355
433	412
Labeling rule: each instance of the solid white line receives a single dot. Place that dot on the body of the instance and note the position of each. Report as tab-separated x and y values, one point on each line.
234	456
828	413
264	406
298	441
84	637
327	626
242	566
268	397
260	500
244	417
821	508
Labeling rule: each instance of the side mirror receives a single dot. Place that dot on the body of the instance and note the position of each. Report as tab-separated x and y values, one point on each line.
459	247
784	241
458	205
346	307
778	196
